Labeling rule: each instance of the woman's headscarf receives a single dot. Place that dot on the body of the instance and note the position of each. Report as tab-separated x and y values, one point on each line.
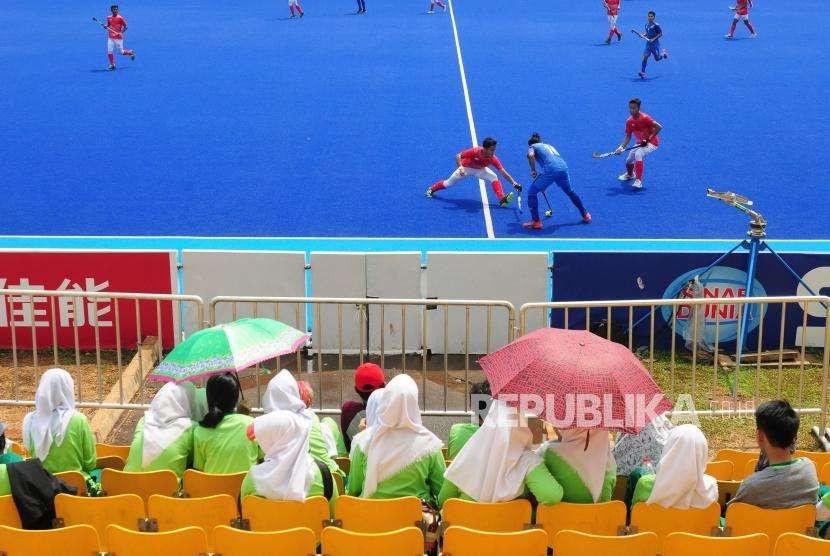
166	420
589	454
283	393
399	438
54	407
681	480
287	472
493	464
362	438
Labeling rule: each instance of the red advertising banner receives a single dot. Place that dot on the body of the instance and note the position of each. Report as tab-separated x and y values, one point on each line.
57	318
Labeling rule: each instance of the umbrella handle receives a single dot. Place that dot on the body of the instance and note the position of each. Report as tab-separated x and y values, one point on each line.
587	439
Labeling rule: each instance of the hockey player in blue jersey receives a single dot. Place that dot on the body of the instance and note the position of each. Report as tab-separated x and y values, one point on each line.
652	37
551	169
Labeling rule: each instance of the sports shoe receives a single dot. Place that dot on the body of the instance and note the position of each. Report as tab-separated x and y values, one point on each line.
302	14
664	54
753	36
132	56
625	177
533	225
429	192
111	67
619	36
586	218
444	7
430	11
642	75
637	184
727	36
506	200
607	41
292	16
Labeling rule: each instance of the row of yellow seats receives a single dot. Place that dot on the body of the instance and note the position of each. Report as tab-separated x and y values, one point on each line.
194	483
82	540
743	464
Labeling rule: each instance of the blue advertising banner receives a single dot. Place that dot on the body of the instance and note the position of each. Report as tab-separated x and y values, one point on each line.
621	275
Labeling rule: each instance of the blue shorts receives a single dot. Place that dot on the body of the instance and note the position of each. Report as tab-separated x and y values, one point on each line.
652	48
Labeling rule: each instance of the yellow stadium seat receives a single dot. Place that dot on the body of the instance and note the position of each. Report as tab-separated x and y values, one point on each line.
74	479
504	517
277	515
104	450
726	491
738	459
408	541
596	519
338	482
110	462
198	485
574	543
662	521
744	519
461	541
78	540
8	512
191	541
720	470
824	477
164	482
686	544
344	463
126	510
377	516
793	544
749	469
819	458
19	449
228	541
170	513
620	487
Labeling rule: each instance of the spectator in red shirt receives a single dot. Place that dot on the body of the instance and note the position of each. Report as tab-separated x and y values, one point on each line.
475	162
367	378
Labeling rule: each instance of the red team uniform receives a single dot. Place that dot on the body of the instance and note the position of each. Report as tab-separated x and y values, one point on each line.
613	9
641	128
116	25
474	164
741	13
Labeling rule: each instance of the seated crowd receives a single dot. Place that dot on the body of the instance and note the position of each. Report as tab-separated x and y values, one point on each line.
289	453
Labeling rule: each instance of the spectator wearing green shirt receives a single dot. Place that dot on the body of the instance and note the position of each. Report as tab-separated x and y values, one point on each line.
164	436
220	442
399	456
54	432
288	472
460	433
498	464
6	457
284	393
681	481
583	464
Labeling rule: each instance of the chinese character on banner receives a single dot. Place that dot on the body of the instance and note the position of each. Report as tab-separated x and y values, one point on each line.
76	309
28	314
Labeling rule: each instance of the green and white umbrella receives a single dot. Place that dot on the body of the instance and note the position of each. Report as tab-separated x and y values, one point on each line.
228	347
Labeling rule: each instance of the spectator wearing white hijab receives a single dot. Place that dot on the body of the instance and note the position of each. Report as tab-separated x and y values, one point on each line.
164	436
497	464
681	481
287	472
54	432
284	393
583	464
398	456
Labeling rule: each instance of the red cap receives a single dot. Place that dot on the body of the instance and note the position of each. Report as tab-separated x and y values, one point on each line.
369	377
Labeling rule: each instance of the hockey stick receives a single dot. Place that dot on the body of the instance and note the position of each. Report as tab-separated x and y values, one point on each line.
606	155
639	34
104	25
549	212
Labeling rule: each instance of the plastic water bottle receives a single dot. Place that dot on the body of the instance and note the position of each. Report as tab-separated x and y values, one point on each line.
646	467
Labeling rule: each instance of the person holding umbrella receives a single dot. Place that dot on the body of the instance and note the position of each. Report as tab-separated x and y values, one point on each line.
220	444
497	464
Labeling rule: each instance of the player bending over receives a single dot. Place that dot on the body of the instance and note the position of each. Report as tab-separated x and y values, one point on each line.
552	169
612	8
117	26
295	8
433	3
645	130
652	37
741	9
475	162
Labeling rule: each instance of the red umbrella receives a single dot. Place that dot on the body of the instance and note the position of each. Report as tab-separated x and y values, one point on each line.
582	380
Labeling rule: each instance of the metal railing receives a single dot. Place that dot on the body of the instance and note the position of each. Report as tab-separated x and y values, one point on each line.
436	340
41	328
703	323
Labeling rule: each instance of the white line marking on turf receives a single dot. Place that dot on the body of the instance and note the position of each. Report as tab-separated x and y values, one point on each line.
488	220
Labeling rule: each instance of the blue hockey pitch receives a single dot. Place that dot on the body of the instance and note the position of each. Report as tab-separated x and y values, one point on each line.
235	121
